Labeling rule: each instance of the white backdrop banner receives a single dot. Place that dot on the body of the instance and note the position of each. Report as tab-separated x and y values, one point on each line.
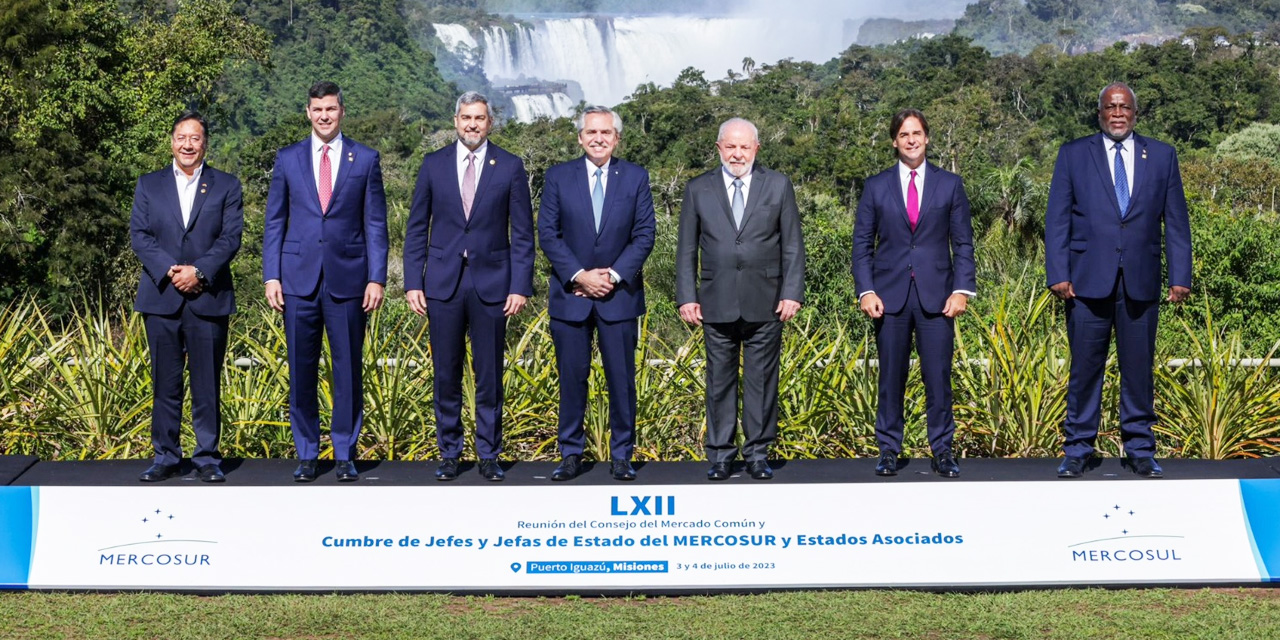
612	539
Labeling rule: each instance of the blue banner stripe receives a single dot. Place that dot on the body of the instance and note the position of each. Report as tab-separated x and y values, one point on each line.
17	535
1262	513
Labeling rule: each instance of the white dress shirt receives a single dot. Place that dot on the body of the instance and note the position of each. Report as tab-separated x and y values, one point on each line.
746	186
186	190
604	190
335	159
1126	156
462	162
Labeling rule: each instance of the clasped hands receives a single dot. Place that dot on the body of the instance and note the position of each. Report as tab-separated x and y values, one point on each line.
593	283
183	277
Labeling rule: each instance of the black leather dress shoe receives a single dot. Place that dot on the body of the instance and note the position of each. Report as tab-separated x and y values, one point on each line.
448	469
718	471
491	470
888	465
760	470
944	464
1071	467
622	470
569	468
307	471
1145	467
210	473
158	472
346	471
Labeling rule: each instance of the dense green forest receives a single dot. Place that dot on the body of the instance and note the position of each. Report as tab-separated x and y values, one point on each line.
88	89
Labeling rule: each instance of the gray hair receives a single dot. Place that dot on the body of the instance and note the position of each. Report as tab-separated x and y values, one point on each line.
755	133
472	97
1117	85
581	120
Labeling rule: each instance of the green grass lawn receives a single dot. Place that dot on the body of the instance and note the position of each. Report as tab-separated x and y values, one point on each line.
1074	613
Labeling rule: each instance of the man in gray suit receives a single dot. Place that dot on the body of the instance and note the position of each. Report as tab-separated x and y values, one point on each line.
742	221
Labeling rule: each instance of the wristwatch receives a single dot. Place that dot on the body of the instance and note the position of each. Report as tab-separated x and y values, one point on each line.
200	275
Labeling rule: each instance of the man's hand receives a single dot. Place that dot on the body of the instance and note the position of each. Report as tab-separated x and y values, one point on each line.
956	305
872	305
1178	294
594	283
692	313
1063	290
275	295
515	302
183	277
372	297
417	301
787	309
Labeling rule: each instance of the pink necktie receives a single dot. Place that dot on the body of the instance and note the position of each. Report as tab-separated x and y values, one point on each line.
469	185
913	202
326	179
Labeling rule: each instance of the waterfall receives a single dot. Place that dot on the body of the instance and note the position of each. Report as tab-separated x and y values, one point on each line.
532	107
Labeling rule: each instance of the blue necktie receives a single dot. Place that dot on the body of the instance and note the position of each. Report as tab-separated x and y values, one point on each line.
1122	181
597	199
739	205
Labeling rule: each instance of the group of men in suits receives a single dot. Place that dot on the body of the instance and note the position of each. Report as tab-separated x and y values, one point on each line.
740	265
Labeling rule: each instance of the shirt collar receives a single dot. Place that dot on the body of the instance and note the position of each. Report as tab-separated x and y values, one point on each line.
591	166
905	171
480	151
729	177
177	172
317	143
1111	143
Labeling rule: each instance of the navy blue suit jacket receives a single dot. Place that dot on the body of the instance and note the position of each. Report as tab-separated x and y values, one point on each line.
566	228
209	241
1086	241
498	238
940	250
348	244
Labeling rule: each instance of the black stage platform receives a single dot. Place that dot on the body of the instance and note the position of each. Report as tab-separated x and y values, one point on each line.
27	471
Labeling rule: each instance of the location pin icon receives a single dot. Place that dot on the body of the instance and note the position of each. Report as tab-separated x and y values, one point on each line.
515	567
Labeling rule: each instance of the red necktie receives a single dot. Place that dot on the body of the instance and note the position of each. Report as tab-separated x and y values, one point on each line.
469	185
913	202
326	179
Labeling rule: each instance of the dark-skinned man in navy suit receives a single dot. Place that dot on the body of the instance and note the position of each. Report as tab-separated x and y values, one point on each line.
1116	206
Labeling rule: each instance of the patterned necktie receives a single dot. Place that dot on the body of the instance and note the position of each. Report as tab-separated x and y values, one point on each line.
913	202
326	179
597	199
739	204
1122	181
469	185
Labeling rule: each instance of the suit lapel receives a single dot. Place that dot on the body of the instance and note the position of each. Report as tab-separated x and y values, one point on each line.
309	177
1100	159
202	192
343	166
896	197
930	190
491	162
759	182
170	195
722	196
1139	168
610	193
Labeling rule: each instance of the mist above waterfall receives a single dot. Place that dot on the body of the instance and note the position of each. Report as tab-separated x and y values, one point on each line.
607	57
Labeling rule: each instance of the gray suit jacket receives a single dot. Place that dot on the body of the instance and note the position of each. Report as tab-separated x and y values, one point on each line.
743	272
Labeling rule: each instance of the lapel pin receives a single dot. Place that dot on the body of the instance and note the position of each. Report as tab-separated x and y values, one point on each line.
351	157
1144	154
492	162
201	190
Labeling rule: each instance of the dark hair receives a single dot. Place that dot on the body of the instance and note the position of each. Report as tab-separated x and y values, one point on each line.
190	114
323	89
900	117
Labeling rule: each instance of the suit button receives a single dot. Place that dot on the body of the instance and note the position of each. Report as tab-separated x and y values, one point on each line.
737	242
739	267
466	231
1117	249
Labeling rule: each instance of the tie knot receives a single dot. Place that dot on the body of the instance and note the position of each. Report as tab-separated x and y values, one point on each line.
737	183
471	158
599	171
324	149
1119	146
913	173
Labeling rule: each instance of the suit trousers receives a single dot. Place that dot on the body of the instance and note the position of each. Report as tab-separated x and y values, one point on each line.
617	342
198	343
935	344
449	323
759	345
1089	325
306	319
